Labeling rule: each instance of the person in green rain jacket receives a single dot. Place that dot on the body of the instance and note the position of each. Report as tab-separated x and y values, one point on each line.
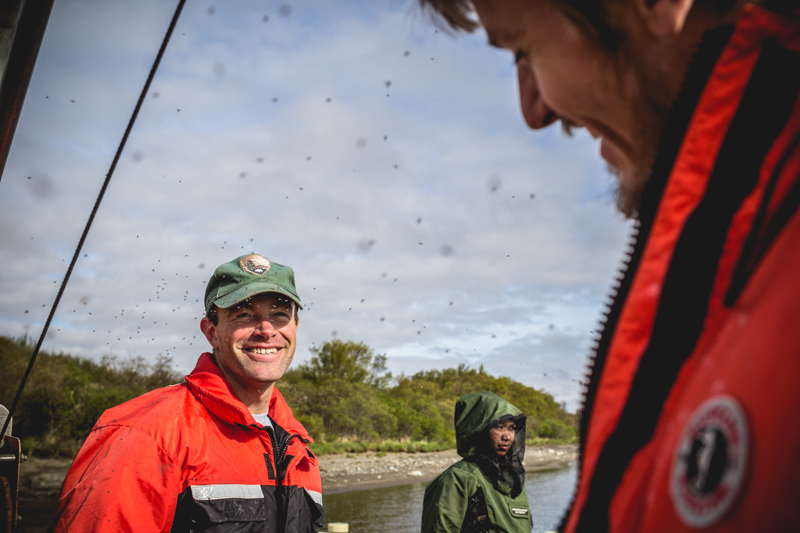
485	491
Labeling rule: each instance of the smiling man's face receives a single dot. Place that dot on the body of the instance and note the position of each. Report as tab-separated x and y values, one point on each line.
564	75
254	343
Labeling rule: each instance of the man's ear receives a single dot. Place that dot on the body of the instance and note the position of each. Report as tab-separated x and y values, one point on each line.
664	18
210	331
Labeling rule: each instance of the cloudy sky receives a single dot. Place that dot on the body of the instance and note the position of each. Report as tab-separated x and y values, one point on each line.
385	161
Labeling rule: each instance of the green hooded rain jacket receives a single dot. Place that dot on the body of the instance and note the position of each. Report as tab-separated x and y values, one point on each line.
478	494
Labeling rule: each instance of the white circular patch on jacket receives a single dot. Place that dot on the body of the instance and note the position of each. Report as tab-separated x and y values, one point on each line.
708	470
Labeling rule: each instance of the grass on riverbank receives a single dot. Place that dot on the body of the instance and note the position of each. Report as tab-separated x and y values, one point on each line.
339	447
539	441
324	448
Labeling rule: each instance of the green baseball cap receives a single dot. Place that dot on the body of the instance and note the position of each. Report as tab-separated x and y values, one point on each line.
246	276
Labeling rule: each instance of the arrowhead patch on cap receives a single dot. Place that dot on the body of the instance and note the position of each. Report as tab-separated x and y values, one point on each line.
255	264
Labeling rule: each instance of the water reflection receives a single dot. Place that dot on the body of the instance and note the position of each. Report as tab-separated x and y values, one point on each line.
399	508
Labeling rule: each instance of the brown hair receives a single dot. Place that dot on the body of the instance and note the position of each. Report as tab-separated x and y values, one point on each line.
589	15
459	15
451	15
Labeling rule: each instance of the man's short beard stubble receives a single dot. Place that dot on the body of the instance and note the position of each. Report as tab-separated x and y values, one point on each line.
651	105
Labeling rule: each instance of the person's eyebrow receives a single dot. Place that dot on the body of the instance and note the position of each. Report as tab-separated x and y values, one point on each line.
240	307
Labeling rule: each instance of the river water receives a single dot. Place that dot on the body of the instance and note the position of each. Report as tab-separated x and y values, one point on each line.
395	509
398	509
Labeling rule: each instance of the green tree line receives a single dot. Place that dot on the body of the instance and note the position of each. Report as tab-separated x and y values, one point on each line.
344	396
65	395
346	393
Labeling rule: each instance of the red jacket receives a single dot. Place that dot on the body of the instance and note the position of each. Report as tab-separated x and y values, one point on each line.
689	416
190	457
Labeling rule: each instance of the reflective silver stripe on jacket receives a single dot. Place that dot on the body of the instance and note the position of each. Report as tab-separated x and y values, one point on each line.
316	496
222	492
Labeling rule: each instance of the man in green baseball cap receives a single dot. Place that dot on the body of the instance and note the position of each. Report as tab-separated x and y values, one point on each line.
247	276
221	448
251	322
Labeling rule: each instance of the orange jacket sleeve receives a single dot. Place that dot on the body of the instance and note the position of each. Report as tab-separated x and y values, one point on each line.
121	480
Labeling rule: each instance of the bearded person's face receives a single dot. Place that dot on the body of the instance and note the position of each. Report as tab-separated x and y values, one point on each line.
620	97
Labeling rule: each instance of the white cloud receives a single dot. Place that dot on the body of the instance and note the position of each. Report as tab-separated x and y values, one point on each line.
384	161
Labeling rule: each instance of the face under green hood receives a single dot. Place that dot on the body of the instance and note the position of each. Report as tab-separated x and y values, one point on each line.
475	412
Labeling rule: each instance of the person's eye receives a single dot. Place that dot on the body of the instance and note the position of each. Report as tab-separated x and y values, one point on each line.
519	56
281	317
240	316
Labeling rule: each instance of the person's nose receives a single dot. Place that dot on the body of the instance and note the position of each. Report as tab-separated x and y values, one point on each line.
535	111
265	328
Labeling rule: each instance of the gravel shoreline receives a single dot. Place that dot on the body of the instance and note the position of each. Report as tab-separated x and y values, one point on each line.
42	477
342	473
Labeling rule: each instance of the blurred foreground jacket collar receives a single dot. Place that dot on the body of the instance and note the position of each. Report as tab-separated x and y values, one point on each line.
695	375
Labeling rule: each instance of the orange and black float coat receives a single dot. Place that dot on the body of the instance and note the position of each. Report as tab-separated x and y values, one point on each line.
190	457
689	419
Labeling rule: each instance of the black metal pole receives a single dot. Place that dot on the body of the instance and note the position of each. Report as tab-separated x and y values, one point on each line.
22	25
92	215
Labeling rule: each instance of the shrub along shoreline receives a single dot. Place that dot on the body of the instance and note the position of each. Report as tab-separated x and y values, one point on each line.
344	396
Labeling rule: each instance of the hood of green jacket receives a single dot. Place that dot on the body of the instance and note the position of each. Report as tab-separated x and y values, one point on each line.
475	412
